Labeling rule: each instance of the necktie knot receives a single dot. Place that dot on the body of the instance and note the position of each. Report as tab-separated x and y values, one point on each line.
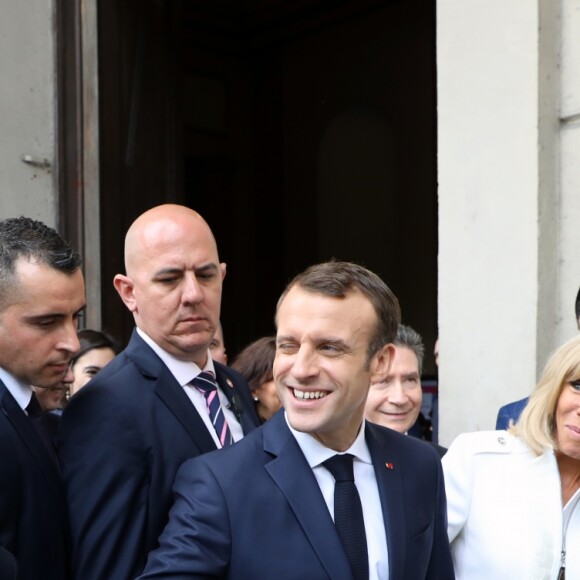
33	408
205	383
341	467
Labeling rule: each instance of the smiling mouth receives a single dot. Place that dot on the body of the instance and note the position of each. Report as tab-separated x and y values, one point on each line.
303	395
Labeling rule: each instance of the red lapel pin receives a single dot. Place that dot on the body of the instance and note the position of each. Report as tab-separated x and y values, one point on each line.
389	465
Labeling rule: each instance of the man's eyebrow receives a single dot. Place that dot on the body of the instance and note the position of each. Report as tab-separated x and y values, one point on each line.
43	315
33	317
206	267
175	270
333	341
166	271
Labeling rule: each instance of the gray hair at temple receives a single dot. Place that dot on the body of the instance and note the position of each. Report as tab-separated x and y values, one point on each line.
33	240
409	338
338	279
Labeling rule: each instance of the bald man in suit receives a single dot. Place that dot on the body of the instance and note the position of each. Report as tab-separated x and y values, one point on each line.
124	435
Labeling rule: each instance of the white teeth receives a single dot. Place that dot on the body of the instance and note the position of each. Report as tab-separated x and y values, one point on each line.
309	394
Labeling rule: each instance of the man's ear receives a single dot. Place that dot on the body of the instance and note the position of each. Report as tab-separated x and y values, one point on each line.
382	362
125	287
223	270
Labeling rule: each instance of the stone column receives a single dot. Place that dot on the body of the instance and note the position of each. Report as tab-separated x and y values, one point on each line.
500	243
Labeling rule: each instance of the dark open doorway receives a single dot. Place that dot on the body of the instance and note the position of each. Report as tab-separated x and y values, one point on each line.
301	130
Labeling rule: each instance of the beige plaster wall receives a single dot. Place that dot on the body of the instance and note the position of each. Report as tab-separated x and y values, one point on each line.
27	110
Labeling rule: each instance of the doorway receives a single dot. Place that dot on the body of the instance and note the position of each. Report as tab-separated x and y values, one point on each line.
301	130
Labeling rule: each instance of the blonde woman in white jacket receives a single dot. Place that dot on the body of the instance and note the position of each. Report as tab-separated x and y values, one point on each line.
513	498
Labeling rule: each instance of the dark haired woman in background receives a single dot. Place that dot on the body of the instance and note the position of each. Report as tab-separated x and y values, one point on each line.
97	350
255	364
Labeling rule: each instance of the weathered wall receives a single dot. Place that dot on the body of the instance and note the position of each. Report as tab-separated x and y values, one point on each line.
27	109
509	266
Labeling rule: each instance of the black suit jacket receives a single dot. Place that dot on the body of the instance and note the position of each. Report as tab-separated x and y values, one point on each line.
8	565
440	450
121	441
255	511
33	520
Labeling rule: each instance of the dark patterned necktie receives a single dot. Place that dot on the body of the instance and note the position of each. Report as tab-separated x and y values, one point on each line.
348	515
205	383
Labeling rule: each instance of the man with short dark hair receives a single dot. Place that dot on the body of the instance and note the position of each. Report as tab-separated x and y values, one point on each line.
161	401
395	402
42	295
316	492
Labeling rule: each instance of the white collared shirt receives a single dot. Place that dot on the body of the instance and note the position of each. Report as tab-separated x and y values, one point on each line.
366	483
184	372
19	390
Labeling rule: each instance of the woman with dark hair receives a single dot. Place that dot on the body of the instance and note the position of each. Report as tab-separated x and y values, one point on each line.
97	350
255	364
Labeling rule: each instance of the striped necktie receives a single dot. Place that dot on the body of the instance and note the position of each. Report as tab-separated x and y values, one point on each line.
205	383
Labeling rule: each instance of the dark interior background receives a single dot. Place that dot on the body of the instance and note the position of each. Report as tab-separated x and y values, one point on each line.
301	130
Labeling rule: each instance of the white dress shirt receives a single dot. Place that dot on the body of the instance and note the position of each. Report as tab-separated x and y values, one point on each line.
366	482
184	372
19	390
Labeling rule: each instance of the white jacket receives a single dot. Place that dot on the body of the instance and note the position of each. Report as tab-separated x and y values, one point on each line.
504	507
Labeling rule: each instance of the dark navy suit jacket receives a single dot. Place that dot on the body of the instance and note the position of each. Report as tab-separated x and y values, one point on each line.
256	512
8	565
510	411
121	441
33	520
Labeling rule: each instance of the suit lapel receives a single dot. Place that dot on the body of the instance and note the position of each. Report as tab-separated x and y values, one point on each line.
237	402
31	440
173	395
170	392
389	480
293	476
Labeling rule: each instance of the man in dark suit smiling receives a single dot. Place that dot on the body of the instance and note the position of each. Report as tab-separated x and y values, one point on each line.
316	492
160	402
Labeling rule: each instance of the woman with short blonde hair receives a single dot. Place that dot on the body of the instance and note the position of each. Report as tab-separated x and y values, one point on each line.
513	498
